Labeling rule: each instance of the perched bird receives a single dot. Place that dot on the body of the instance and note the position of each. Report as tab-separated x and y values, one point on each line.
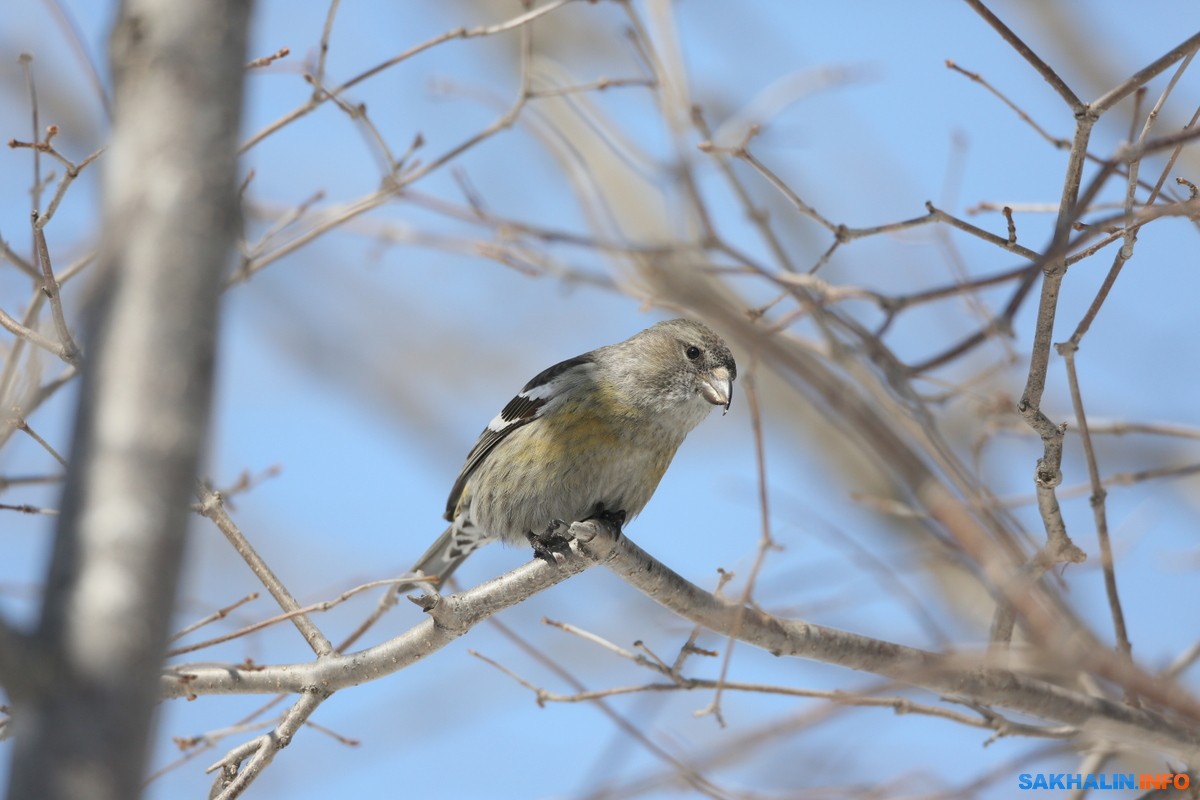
588	437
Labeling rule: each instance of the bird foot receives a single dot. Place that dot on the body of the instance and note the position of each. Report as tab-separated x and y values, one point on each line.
586	530
613	519
552	544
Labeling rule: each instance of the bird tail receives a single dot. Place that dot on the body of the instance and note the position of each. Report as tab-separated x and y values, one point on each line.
445	554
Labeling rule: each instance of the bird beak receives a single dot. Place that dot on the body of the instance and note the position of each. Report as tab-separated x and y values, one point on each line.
717	388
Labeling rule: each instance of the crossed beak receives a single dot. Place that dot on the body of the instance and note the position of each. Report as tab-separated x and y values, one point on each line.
717	388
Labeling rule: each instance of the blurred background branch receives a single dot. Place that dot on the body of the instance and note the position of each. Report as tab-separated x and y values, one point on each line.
82	704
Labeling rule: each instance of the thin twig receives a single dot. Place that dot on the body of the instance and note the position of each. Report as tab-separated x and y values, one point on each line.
1099	493
219	614
212	507
1049	75
50	288
458	33
23	426
233	778
765	541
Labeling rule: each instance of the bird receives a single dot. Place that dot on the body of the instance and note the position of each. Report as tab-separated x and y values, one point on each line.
587	438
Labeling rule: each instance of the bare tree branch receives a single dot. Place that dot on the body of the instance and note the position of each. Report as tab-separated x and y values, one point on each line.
962	678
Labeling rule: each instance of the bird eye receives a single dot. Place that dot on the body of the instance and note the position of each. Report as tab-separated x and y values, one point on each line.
692	352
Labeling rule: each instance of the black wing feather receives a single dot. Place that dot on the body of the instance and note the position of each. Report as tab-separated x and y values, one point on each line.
521	410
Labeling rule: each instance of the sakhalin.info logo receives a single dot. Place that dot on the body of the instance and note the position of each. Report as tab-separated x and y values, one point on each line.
1063	781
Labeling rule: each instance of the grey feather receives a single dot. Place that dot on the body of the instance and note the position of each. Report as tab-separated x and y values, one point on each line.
450	550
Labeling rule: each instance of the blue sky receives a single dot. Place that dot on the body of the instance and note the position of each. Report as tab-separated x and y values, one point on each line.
365	370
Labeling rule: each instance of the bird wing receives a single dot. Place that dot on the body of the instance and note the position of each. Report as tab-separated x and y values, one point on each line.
527	406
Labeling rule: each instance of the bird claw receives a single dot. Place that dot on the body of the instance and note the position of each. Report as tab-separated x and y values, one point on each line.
613	519
552	544
586	530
